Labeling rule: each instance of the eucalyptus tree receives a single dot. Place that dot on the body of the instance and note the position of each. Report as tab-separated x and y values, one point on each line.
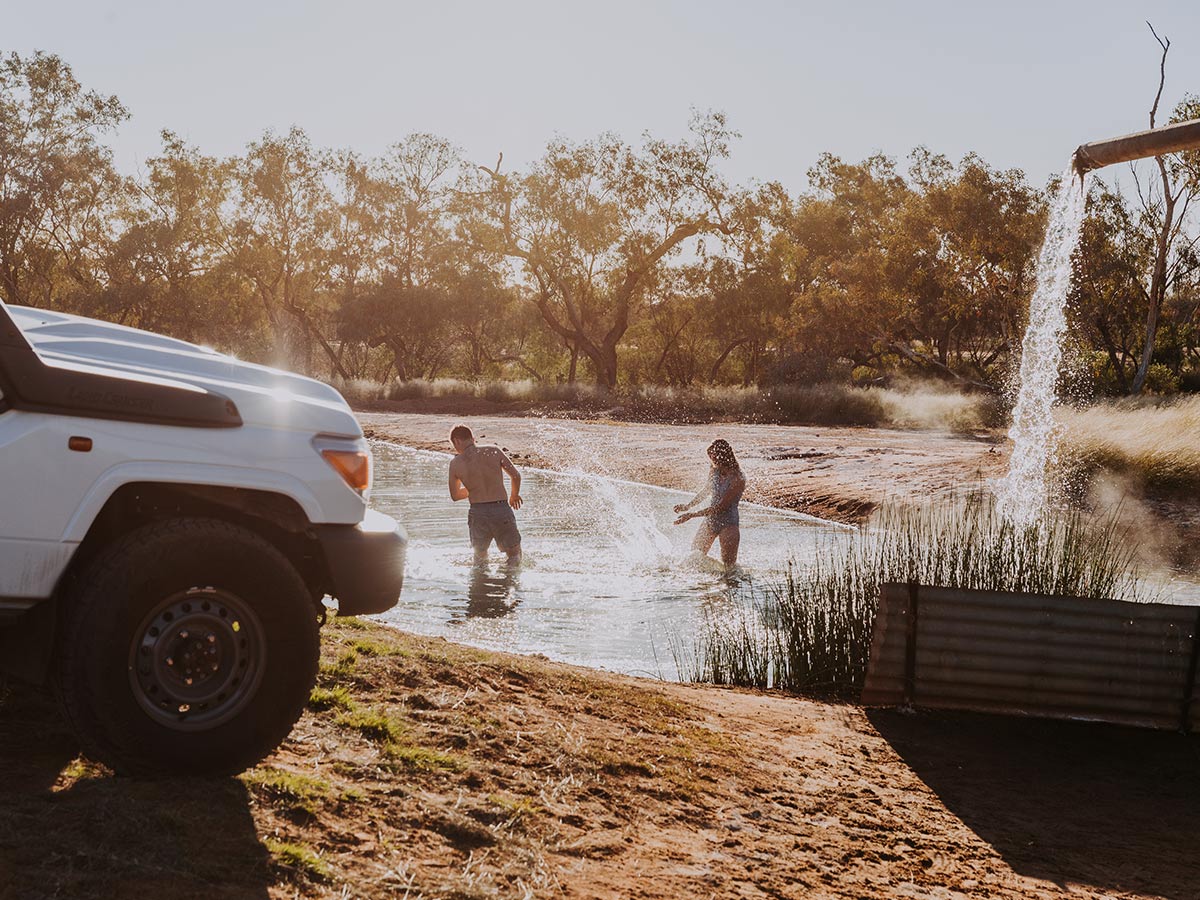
1107	294
1166	200
1166	214
933	270
414	187
748	288
409	321
167	269
591	224
57	181
840	267
281	236
967	253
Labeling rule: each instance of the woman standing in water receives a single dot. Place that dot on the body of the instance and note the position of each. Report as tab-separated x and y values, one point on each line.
725	486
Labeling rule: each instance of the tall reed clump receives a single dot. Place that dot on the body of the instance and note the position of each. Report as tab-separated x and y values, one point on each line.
810	632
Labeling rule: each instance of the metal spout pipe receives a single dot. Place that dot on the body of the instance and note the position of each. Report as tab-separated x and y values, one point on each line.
1155	142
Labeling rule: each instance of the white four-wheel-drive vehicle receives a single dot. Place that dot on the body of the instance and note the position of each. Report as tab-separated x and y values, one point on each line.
170	521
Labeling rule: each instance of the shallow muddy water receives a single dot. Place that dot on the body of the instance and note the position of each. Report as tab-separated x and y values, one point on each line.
607	580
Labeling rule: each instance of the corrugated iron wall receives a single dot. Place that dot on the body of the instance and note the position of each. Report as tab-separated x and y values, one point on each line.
1058	657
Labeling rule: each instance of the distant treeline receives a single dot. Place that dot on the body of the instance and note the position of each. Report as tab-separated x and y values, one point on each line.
605	261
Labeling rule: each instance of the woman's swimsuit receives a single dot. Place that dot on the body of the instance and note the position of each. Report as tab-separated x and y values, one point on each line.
722	484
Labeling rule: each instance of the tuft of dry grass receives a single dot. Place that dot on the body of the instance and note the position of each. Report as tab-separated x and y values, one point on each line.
1154	443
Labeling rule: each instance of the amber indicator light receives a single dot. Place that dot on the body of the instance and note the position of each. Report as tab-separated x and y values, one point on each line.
79	444
353	465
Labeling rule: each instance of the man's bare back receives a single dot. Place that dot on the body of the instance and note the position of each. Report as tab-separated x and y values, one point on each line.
477	474
481	471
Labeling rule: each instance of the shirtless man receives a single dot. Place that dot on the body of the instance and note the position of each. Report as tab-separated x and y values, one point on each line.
476	473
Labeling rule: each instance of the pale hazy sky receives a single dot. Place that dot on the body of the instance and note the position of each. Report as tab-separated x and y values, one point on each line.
1020	82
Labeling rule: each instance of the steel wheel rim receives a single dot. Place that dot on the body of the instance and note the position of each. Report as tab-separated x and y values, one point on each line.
196	659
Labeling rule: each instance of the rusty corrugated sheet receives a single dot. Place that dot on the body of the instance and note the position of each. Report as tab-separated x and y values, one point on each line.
1059	657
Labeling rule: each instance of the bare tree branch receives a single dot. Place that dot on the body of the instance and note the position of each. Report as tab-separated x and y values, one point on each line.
1165	43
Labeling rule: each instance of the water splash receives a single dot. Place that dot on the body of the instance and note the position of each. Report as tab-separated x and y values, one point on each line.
1025	491
637	535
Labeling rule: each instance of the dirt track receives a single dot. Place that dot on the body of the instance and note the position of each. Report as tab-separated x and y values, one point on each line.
836	473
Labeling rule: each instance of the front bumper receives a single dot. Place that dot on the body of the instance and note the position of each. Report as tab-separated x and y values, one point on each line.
365	562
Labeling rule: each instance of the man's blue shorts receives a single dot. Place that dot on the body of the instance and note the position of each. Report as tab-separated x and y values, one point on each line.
493	521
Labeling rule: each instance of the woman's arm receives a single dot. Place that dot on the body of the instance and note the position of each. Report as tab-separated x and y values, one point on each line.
704	492
719	504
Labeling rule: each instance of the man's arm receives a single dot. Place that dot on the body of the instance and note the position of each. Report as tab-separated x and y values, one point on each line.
458	490
514	497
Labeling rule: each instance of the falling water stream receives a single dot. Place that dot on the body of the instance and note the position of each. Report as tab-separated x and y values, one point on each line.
607	580
1025	492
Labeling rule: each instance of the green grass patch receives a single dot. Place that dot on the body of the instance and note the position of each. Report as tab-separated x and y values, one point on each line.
296	792
79	769
343	667
366	647
337	697
350	623
298	859
410	757
374	724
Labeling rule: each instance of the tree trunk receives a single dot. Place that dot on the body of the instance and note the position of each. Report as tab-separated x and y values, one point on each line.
605	361
1111	349
311	333
1158	285
398	356
943	347
716	367
750	376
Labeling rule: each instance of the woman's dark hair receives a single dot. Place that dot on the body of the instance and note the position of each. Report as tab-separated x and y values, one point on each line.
722	454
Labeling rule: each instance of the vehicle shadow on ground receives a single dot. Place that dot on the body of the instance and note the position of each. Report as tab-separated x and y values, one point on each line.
1072	803
68	829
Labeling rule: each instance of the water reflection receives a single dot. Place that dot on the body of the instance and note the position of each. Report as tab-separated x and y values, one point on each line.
492	594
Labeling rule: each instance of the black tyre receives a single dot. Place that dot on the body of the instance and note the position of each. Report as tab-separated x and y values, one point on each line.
189	647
